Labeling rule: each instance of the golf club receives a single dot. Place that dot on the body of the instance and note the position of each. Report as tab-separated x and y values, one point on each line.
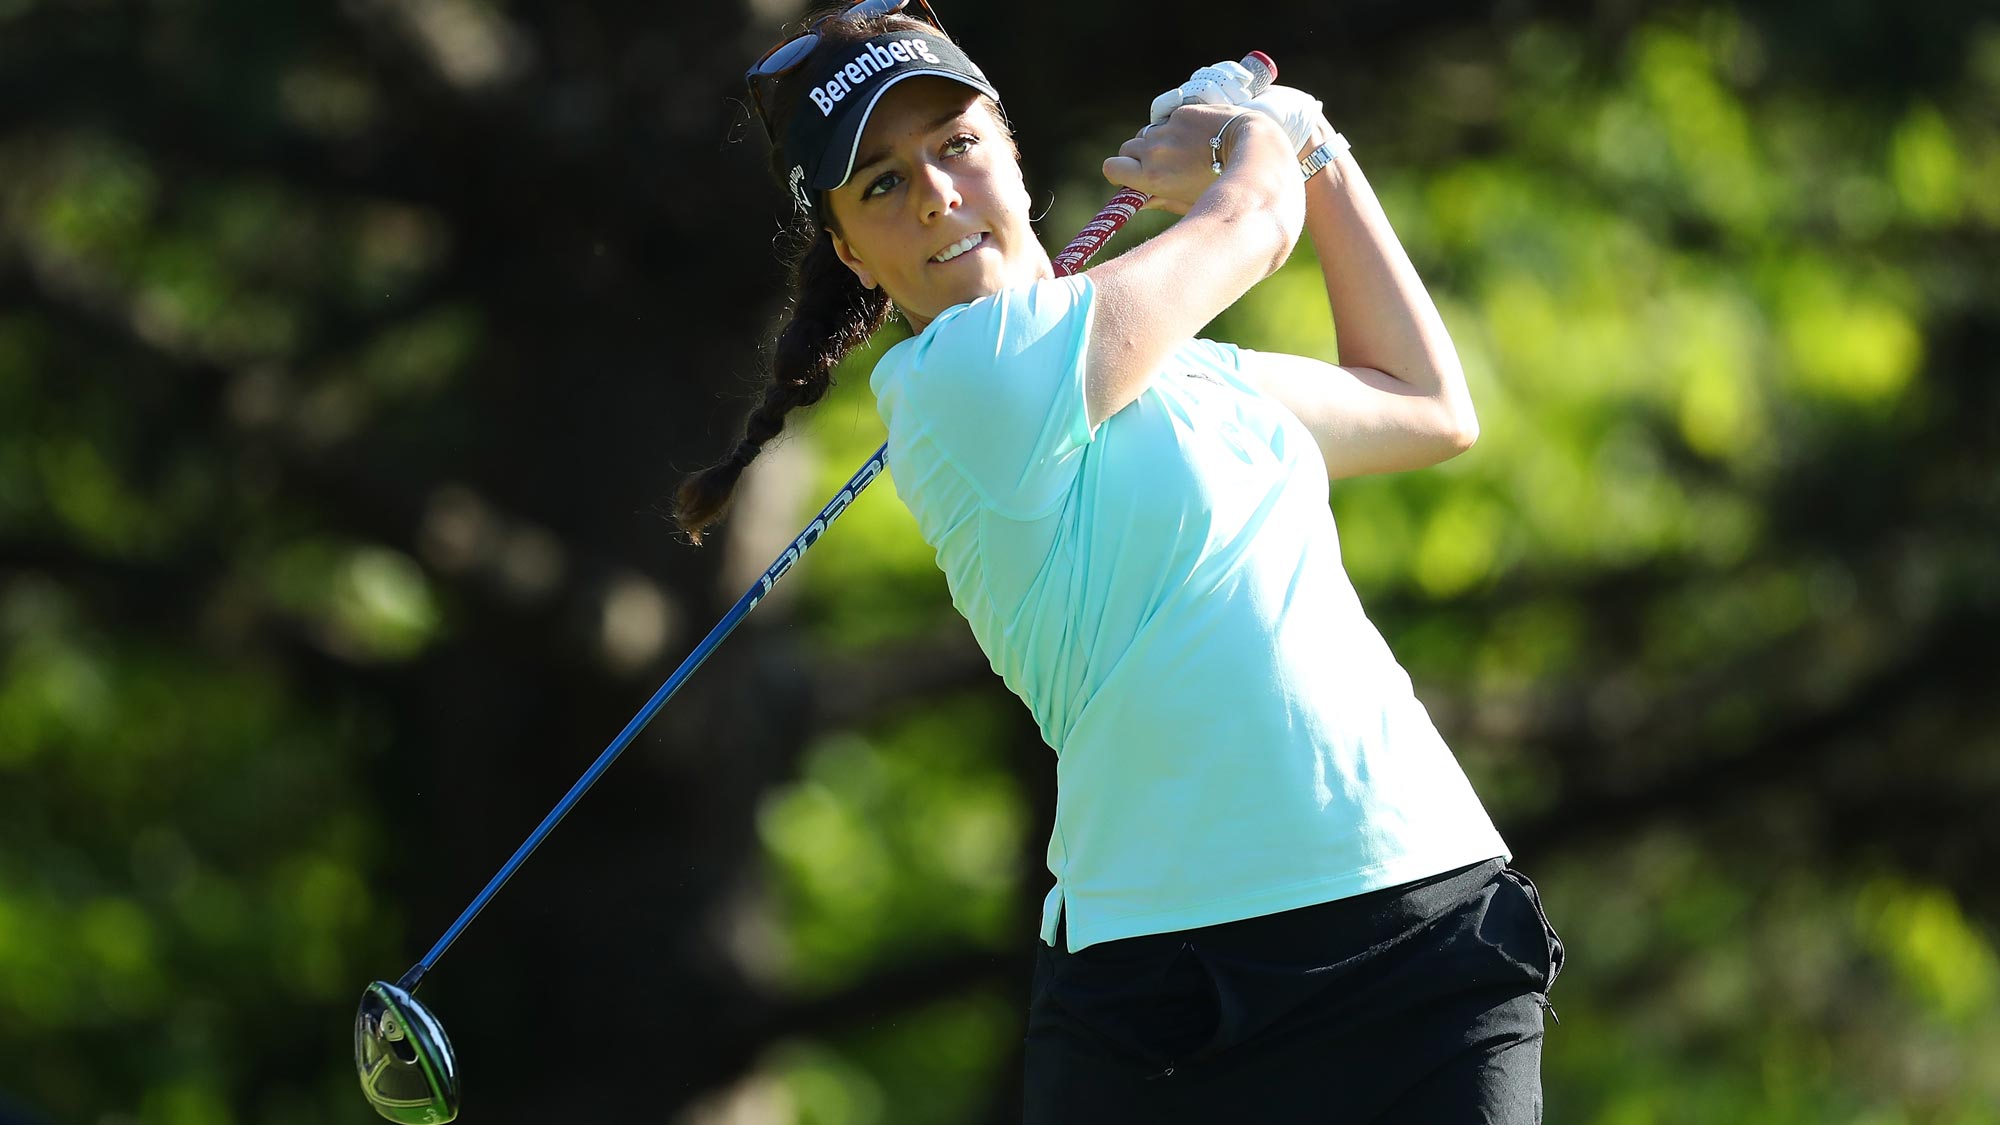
402	1057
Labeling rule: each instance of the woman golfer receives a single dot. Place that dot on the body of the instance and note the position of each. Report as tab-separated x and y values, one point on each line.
1276	898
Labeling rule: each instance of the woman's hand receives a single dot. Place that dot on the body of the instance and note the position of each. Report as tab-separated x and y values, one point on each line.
1228	83
1173	162
1237	228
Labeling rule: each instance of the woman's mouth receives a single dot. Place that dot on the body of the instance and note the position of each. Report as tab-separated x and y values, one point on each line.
959	247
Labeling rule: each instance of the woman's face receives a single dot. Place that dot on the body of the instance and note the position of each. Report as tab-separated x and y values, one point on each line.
936	213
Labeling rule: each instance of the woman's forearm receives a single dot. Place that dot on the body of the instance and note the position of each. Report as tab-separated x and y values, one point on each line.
1384	316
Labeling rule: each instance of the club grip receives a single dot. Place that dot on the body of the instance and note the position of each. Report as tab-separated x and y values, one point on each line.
1263	71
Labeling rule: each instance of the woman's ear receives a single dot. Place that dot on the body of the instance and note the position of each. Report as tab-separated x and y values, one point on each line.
852	260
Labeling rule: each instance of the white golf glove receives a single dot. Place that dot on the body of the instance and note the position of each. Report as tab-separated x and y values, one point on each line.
1228	83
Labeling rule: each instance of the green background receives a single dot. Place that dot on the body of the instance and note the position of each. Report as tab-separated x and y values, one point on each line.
348	353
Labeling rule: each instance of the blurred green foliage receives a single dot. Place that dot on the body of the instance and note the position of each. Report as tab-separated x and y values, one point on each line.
888	845
142	947
1709	301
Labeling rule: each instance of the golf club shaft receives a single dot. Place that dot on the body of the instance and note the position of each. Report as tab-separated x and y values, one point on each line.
709	644
834	507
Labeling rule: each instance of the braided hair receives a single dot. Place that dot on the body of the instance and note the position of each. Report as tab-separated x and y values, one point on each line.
832	312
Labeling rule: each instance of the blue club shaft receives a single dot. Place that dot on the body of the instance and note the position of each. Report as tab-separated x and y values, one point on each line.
709	644
862	479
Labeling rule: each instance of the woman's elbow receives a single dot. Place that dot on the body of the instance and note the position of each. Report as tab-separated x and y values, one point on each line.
1281	237
1464	434
1456	430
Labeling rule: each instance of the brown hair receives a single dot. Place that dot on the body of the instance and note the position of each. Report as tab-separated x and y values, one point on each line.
832	312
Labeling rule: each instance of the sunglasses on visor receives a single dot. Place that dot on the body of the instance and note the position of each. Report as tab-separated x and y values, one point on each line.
787	55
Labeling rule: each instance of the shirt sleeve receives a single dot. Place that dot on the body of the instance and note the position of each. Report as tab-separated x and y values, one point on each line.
997	386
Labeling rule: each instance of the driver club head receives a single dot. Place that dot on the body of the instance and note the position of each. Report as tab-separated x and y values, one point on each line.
403	1059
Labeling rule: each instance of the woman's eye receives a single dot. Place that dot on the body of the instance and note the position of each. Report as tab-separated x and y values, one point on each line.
887	181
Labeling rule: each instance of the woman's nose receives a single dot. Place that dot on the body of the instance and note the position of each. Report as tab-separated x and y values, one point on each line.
937	193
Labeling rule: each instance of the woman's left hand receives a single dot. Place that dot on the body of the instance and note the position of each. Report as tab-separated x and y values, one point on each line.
1172	160
1228	83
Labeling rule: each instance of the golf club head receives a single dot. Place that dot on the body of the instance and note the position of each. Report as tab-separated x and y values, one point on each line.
403	1059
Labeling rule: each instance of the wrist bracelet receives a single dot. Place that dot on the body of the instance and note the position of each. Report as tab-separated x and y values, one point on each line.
1215	144
1324	155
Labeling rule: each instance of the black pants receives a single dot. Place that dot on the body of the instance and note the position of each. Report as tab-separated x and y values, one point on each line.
1420	1003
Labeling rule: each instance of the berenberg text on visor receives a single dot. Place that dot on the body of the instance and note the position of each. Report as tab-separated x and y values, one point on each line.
876	59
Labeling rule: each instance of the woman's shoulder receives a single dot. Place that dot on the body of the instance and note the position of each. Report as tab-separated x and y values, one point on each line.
1006	321
998	383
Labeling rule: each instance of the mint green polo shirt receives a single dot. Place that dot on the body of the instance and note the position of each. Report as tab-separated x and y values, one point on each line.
1233	737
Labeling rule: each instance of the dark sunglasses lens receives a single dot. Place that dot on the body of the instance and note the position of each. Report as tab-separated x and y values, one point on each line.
786	56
